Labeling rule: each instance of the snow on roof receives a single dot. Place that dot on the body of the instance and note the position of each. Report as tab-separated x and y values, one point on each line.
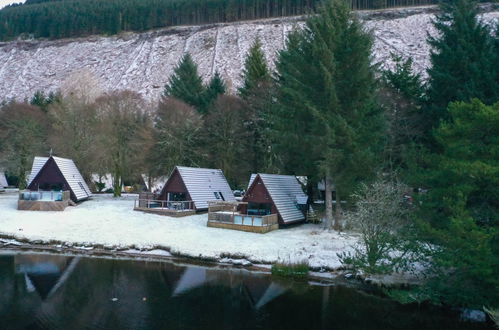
205	184
286	192
68	170
3	180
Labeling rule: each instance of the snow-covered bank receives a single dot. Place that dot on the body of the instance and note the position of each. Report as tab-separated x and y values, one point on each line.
112	223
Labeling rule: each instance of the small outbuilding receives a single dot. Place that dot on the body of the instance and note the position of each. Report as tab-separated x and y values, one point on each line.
196	185
3	180
276	194
52	178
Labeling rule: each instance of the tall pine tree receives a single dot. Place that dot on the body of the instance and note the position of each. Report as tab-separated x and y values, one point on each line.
464	60
185	83
257	95
327	123
215	87
256	71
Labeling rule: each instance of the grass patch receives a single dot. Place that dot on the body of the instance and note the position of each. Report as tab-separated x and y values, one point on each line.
295	270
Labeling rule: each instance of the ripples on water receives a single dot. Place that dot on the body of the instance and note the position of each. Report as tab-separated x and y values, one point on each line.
39	291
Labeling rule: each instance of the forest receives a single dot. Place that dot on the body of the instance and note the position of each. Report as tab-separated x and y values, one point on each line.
77	18
413	164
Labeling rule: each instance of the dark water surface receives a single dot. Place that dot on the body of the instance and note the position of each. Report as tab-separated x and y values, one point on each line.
41	291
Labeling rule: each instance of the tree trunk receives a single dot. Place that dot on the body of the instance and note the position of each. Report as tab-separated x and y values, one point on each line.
328	203
337	215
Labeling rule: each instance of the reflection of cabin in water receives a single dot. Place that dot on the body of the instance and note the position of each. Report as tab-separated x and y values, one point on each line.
54	183
44	274
257	288
187	191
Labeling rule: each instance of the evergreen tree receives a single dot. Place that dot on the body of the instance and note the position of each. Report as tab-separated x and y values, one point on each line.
185	83
464	60
256	71
327	123
402	96
256	93
215	87
460	211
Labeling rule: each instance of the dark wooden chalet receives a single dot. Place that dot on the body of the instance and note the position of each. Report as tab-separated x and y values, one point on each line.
58	174
196	185
275	194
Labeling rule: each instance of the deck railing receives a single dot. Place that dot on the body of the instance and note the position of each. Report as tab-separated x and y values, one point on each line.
44	196
243	219
162	204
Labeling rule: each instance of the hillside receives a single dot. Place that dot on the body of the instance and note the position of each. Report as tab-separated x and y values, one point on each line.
143	61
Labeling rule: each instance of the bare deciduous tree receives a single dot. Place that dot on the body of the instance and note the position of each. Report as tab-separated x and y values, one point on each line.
382	218
178	127
23	130
123	119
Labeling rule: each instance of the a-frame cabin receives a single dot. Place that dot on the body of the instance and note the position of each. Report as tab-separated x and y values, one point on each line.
58	174
276	194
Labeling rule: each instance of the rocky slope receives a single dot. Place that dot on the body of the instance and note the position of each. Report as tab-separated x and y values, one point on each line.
143	62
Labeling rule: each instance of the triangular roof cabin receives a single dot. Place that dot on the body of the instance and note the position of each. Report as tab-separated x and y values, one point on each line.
283	192
199	185
52	172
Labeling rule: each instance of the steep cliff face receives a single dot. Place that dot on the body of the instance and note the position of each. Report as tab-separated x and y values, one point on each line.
143	62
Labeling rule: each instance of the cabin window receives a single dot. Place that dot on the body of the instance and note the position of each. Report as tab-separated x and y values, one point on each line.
219	195
259	208
51	186
177	197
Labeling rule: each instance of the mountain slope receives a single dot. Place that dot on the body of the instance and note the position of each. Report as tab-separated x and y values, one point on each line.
143	62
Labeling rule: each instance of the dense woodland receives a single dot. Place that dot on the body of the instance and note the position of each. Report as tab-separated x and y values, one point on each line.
76	18
393	135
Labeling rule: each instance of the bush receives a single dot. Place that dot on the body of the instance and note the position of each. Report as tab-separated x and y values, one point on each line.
382	219
289	269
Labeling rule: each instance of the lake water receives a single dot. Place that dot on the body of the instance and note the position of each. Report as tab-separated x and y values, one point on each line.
41	291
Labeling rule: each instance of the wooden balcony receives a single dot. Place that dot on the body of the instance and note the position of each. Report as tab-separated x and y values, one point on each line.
43	200
168	208
225	215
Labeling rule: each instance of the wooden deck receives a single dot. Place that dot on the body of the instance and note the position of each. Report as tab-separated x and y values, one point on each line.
166	208
225	215
26	204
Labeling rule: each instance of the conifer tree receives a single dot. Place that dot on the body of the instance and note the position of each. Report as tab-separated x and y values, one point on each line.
464	60
185	83
327	124
256	71
256	93
215	87
460	211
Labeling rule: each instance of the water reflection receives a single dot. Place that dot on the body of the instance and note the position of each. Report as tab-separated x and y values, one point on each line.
58	292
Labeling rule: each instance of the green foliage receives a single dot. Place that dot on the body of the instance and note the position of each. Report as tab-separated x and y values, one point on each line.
464	60
326	121
257	93
185	83
100	186
291	269
39	99
255	72
215	87
76	18
460	211
402	96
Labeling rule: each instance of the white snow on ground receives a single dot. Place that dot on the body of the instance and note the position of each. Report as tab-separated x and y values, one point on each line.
143	61
112	222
